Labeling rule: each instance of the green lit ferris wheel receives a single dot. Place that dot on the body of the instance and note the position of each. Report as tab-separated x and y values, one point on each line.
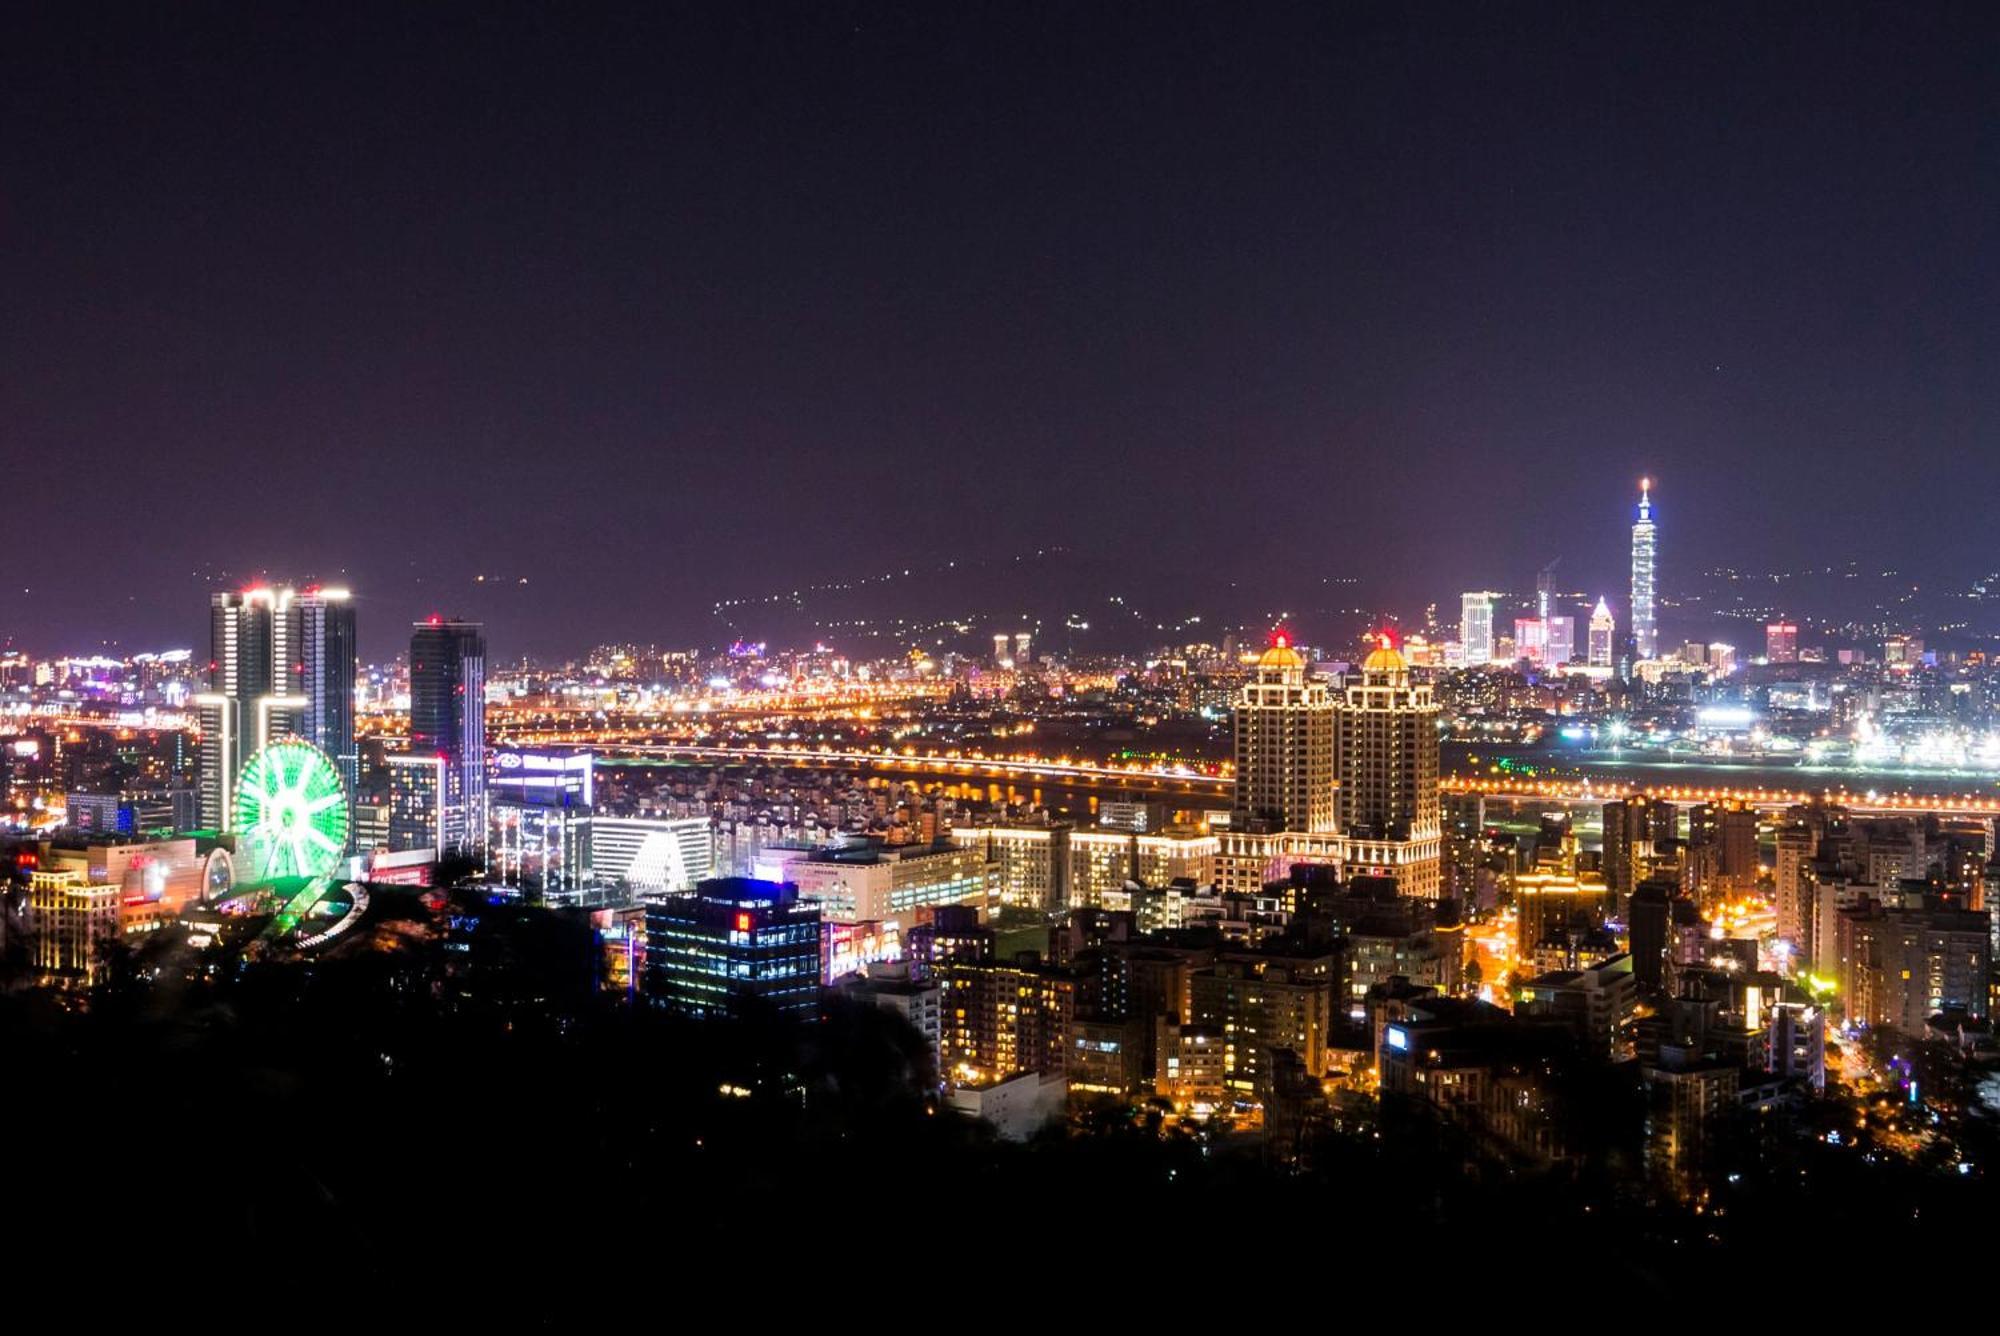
291	812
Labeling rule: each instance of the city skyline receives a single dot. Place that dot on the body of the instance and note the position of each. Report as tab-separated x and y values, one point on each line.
1178	614
1339	613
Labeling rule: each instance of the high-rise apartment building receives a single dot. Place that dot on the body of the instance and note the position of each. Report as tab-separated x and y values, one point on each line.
1635	828
1351	783
1386	761
448	720
1900	967
1732	829
1645	627
1284	745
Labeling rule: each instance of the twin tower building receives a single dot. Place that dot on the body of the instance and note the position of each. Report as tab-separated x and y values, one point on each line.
1345	774
282	665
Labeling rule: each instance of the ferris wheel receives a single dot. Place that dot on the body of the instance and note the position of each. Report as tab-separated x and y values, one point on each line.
291	812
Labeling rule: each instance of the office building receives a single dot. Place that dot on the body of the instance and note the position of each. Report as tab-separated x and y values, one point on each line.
240	674
1055	866
1781	642
316	648
1645	628
280	664
1475	627
653	855
539	823
860	879
1603	634
1558	641
416	812
1104	862
96	812
733	946
448	721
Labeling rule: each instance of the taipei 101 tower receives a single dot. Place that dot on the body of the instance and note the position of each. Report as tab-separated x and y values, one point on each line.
1645	631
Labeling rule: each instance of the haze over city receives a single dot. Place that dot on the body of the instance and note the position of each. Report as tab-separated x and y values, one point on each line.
672	305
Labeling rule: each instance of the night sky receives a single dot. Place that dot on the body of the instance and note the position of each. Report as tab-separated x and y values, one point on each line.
658	305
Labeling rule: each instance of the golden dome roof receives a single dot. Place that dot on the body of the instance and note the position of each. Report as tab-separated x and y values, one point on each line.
1281	654
1385	658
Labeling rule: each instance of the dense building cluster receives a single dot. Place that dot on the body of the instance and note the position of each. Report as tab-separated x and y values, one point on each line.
1241	901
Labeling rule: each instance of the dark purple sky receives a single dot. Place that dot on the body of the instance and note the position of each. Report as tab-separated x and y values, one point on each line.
660	304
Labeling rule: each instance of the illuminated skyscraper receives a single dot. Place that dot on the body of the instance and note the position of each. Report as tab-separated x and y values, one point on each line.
1284	744
317	656
240	636
1603	630
1294	740
1530	638
448	720
1386	760
1645	629
1475	627
1559	640
1781	642
281	664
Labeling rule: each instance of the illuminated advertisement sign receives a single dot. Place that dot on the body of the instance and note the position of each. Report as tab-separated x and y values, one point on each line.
846	947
